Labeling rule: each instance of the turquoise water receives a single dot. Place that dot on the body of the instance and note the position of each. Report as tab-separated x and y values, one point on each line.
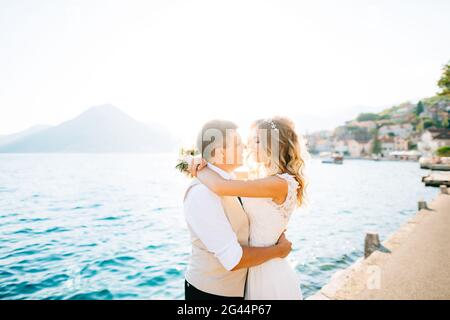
111	226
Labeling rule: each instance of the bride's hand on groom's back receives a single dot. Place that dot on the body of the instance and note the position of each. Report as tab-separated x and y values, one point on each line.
196	165
284	245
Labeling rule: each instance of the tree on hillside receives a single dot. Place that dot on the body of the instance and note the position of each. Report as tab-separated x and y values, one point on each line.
367	117
376	146
384	117
412	145
428	123
444	81
420	108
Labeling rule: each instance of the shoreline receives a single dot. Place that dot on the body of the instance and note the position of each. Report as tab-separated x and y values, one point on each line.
412	263
385	159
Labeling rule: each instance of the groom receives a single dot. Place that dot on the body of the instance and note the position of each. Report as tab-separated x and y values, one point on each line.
219	226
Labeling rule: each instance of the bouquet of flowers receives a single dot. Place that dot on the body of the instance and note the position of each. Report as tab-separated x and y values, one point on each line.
185	160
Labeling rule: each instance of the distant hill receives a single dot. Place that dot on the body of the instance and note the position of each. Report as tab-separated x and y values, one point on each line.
432	111
100	129
7	139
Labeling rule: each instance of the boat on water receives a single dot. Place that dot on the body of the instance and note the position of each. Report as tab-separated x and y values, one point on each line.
334	158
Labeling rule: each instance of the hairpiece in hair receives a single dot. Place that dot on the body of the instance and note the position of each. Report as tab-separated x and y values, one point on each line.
272	124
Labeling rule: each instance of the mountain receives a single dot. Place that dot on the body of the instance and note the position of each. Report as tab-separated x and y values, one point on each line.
100	129
7	139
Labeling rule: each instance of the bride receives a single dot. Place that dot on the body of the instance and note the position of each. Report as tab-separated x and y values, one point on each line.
268	201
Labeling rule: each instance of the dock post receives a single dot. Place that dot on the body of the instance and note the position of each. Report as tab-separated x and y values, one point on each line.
422	205
444	189
371	244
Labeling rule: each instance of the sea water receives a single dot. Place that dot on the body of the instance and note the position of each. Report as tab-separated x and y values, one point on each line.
87	226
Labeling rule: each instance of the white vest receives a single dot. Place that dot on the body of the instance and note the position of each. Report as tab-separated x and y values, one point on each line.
205	272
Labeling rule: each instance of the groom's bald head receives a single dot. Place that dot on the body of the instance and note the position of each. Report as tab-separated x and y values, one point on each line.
215	134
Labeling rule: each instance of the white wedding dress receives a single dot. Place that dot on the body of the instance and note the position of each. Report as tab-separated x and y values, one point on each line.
275	279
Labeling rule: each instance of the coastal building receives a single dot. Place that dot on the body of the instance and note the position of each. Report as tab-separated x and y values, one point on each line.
403	130
400	144
412	155
415	137
437	111
387	145
340	146
319	142
360	147
362	124
383	122
403	113
323	145
355	148
429	113
432	139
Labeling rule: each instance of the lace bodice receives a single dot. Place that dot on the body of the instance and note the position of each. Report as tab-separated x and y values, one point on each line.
268	219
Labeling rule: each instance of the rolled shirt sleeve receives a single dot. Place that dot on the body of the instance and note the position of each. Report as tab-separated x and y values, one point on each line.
206	217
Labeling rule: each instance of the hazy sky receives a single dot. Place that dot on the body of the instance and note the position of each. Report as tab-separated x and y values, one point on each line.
181	62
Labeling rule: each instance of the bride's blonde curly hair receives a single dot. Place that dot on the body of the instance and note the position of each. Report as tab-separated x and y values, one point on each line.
292	152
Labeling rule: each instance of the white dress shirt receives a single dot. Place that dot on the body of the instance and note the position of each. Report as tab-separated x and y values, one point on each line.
205	215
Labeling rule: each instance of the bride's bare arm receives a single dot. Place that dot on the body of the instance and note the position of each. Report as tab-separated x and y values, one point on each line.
270	187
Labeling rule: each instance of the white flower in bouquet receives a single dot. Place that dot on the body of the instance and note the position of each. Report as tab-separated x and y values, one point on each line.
185	160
